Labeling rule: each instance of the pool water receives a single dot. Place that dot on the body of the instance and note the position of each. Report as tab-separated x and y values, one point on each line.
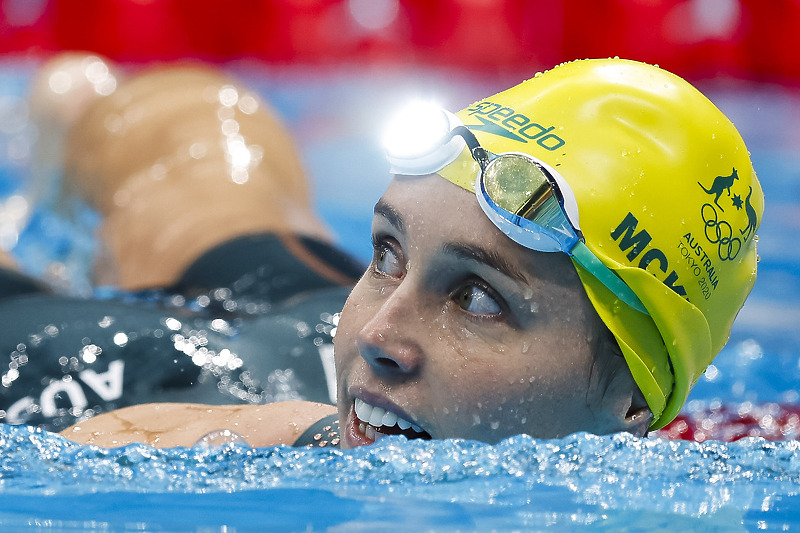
580	482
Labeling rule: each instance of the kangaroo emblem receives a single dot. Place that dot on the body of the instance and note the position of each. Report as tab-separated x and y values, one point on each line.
752	219
721	184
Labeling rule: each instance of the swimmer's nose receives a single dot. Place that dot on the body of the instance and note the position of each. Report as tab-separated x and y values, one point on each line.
390	359
387	342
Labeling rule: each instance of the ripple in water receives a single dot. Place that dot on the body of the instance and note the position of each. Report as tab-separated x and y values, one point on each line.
579	481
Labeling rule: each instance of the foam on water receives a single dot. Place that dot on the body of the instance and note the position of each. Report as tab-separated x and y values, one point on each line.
580	481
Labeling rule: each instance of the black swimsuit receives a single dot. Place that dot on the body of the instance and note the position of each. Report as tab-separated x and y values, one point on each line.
251	321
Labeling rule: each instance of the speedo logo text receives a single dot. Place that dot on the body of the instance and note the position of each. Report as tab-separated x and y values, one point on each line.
506	122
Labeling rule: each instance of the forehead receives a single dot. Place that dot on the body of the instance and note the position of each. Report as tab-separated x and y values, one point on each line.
434	211
419	200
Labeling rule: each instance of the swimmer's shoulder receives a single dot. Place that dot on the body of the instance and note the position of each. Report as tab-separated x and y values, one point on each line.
167	425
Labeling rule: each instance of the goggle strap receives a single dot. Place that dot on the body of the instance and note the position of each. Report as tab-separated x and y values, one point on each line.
604	275
479	153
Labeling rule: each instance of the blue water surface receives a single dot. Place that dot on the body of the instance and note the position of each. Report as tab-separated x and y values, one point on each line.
582	482
578	483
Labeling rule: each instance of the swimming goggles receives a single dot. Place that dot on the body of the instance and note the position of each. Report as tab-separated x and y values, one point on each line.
524	197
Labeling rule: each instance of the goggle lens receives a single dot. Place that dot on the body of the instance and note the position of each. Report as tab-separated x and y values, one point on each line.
521	187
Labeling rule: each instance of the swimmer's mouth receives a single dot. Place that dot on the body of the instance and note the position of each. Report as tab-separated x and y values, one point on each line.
375	422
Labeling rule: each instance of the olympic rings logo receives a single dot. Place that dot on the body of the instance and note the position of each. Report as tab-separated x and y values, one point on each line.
720	232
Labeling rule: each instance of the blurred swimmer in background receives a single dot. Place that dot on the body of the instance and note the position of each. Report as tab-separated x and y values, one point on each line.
567	255
203	198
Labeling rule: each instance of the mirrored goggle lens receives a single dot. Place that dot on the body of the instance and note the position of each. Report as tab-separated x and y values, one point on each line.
521	187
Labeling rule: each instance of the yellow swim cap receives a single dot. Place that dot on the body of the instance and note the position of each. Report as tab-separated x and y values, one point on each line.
667	197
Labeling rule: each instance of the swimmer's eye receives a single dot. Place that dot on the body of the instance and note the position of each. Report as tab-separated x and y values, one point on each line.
385	259
477	300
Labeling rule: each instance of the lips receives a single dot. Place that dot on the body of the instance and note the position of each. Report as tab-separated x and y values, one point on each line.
375	422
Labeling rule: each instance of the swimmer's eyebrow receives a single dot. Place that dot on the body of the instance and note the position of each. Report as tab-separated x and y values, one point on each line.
490	258
461	250
391	215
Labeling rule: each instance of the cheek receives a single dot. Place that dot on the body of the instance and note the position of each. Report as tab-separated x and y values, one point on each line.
523	385
487	409
351	320
474	376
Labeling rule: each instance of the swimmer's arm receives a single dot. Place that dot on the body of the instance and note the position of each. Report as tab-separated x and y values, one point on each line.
167	425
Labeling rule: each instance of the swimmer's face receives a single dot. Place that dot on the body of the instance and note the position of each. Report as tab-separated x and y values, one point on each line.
461	332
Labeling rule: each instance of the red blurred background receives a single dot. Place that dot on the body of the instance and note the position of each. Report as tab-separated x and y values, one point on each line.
747	39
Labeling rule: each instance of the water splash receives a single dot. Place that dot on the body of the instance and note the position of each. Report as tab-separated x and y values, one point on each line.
579	481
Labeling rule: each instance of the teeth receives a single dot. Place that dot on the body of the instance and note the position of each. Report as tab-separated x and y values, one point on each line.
363	409
371	433
389	419
377	417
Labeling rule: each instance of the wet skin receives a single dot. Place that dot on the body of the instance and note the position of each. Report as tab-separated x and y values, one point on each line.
453	328
464	333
